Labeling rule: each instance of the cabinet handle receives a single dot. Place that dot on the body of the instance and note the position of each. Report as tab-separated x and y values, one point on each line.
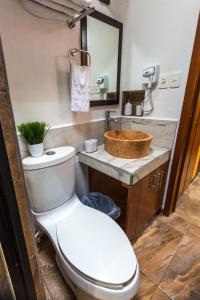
150	181
153	182
156	181
160	178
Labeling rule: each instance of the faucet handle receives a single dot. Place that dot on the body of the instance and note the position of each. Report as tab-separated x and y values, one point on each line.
108	112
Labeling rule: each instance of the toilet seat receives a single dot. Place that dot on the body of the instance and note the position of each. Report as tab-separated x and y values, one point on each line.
86	248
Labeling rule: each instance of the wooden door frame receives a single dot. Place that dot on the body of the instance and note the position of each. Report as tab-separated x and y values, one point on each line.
193	149
185	126
21	256
11	232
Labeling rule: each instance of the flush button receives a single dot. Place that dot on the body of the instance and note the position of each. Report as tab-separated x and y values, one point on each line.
50	153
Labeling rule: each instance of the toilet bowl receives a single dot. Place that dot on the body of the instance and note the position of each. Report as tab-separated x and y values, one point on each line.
92	252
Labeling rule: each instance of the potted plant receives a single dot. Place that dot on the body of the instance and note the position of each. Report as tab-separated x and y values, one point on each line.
34	134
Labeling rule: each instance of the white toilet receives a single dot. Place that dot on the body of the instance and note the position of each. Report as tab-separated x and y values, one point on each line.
92	251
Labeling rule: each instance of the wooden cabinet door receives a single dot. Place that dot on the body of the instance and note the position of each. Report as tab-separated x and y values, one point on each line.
146	207
132	210
138	202
151	195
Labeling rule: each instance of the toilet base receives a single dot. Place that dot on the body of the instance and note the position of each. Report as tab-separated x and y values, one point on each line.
80	295
83	295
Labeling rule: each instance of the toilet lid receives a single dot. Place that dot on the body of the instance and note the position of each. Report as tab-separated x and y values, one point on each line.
96	247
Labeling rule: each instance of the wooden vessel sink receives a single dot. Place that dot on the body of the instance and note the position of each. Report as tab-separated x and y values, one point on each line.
127	143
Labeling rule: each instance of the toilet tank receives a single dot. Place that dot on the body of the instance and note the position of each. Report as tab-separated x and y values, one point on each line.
50	179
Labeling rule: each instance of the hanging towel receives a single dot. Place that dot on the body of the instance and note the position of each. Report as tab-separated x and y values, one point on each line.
42	11
68	4
85	3
58	10
80	88
67	11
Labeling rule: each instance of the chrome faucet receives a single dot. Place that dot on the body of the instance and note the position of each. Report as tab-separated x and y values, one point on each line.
109	119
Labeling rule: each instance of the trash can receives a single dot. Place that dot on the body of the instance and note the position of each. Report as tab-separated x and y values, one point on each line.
103	203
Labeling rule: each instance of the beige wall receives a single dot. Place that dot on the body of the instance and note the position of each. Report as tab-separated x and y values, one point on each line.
155	32
37	69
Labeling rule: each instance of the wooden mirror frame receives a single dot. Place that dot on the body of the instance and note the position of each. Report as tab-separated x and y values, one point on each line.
110	21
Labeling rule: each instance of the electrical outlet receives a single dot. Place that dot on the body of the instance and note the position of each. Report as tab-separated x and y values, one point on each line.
164	81
175	79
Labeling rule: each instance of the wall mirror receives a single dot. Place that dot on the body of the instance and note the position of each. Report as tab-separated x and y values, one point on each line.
102	37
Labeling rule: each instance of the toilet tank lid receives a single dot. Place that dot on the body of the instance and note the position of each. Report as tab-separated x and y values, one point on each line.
51	157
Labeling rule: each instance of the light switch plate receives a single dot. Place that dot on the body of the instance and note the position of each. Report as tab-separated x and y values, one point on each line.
175	79
164	81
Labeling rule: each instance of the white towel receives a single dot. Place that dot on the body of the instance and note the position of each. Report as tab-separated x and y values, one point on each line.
69	4
80	88
56	9
85	3
43	12
67	10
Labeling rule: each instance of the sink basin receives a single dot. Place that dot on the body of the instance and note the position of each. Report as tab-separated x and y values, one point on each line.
127	143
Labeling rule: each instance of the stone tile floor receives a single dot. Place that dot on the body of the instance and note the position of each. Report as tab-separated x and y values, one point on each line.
168	253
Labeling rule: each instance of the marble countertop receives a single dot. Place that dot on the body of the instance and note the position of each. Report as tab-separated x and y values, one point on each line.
128	171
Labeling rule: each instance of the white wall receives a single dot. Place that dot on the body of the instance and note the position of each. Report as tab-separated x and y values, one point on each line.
34	51
159	31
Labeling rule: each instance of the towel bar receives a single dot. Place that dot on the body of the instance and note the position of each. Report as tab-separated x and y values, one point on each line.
74	51
72	22
59	10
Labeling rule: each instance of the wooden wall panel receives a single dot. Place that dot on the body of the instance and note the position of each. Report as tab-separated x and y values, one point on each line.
11	142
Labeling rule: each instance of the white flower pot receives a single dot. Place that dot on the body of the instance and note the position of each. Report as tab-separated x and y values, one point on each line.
36	150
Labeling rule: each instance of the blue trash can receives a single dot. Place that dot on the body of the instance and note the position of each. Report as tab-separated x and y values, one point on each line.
102	203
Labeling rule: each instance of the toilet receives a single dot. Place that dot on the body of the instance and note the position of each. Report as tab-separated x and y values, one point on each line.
93	253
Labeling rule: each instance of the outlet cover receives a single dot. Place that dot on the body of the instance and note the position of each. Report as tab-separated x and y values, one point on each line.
164	81
175	79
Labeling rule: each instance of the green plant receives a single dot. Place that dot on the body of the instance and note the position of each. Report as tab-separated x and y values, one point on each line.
34	132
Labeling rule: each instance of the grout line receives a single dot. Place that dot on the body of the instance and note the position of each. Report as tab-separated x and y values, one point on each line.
47	288
189	225
163	293
172	256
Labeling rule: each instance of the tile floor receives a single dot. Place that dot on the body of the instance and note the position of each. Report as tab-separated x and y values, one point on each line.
168	253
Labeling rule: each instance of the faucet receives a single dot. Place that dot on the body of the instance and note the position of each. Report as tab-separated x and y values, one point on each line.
109	119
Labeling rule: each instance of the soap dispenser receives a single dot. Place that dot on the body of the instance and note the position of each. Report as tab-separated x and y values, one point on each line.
128	109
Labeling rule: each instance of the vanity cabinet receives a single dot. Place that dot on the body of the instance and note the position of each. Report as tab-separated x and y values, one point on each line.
138	202
151	196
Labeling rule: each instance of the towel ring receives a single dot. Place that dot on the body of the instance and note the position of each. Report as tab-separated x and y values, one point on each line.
74	51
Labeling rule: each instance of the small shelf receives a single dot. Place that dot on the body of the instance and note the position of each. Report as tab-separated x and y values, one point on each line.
134	97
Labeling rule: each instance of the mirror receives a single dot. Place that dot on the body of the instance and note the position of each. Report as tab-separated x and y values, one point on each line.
101	36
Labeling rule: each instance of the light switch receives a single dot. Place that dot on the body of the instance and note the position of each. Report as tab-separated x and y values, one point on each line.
175	79
164	81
